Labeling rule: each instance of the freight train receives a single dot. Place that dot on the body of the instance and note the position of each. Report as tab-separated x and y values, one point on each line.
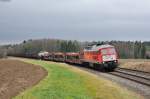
102	57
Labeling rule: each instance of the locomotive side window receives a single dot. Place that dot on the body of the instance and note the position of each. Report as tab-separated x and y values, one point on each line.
112	51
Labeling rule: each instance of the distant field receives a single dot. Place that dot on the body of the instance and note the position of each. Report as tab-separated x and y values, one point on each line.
138	64
66	82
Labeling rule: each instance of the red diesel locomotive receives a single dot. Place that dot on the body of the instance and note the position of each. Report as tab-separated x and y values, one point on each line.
100	56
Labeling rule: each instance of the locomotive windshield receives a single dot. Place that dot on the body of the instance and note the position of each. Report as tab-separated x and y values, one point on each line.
108	51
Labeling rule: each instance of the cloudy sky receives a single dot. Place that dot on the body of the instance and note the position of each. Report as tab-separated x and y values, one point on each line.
74	19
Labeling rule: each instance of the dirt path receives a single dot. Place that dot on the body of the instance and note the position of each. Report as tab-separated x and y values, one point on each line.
16	76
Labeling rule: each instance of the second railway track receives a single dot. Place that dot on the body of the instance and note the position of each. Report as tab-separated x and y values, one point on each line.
133	75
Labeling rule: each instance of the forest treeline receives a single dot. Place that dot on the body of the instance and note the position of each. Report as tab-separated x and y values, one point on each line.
125	49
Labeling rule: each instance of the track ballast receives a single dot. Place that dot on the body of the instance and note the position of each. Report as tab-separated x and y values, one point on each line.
133	75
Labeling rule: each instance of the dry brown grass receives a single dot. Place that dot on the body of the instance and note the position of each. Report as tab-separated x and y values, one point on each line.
137	64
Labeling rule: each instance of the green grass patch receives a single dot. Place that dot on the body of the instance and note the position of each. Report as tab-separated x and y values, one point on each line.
65	82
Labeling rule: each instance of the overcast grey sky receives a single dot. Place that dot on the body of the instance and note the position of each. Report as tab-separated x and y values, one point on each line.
74	19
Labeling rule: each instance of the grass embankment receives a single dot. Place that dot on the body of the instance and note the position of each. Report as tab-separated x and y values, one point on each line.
137	64
65	82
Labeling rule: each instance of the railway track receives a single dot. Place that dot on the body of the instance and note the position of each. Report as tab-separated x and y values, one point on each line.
133	75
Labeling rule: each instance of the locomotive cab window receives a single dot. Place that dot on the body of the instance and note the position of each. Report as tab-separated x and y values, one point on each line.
108	51
104	51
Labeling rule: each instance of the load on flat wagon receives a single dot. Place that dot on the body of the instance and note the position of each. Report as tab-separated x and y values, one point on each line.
100	56
73	58
43	54
59	57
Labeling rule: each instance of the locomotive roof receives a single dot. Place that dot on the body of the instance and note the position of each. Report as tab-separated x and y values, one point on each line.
96	48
